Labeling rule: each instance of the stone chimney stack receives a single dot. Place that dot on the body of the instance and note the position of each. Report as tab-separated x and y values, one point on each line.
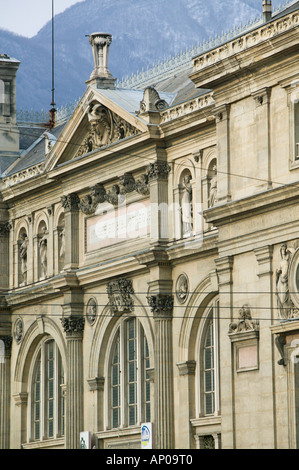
9	133
267	10
101	77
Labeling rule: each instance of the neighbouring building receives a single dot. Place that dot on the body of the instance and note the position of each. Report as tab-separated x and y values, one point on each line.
149	250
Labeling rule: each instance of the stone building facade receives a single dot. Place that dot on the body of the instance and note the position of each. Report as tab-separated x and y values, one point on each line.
149	255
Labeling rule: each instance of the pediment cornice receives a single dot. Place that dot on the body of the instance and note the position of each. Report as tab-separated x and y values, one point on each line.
96	122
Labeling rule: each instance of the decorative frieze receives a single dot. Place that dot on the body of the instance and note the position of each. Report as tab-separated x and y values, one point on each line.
120	293
188	107
252	38
23	175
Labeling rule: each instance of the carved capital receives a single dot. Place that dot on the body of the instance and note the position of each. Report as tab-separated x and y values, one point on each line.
161	304
158	170
7	340
120	293
73	326
70	202
4	229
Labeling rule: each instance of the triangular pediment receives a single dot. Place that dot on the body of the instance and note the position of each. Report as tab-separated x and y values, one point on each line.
102	117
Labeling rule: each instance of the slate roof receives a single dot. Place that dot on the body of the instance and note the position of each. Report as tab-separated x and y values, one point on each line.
175	88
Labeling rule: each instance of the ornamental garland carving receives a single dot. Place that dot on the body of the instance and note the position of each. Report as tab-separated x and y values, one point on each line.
105	127
120	293
244	322
89	203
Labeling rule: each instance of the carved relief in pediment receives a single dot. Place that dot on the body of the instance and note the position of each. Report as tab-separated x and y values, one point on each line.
104	128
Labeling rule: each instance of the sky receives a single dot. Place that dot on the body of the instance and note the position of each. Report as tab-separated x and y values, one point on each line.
27	17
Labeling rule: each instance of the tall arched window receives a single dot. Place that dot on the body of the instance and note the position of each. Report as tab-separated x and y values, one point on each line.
47	406
207	424
208	361
129	385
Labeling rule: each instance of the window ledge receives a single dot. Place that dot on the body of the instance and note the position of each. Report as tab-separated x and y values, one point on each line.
54	443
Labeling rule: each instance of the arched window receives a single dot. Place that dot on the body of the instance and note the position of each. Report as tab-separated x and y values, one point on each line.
207	425
129	385
47	406
208	361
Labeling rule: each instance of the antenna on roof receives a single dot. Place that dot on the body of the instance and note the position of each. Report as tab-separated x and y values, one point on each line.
52	110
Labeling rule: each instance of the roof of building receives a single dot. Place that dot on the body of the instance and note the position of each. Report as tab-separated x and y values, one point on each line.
173	85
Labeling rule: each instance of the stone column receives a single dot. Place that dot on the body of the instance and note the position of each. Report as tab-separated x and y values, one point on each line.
162	309
224	268
71	218
186	400
223	153
264	304
263	142
5	354
74	327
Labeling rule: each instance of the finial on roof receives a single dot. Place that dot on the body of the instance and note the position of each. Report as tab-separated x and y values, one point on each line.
101	76
267	10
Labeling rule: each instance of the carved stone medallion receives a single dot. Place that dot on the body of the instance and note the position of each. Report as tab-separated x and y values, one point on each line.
18	330
91	311
182	288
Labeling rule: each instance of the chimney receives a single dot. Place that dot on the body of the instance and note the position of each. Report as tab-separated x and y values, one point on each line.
101	77
9	133
267	10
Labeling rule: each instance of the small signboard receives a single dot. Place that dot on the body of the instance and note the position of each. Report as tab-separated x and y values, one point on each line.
147	440
85	440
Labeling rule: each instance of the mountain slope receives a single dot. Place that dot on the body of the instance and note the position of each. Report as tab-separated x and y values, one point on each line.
144	32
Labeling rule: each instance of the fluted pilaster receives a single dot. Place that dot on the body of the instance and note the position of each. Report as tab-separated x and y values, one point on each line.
161	306
74	395
5	391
